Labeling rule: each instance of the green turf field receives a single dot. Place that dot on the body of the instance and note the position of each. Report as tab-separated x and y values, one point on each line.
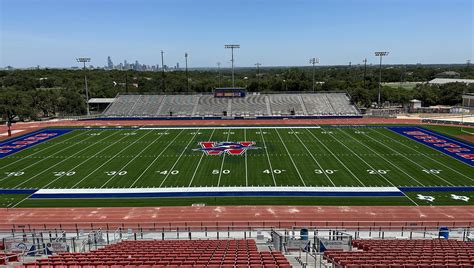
316	156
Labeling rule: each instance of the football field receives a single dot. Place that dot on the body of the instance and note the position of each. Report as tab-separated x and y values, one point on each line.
147	157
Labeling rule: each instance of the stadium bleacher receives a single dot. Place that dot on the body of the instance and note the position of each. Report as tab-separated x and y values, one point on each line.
169	253
398	253
252	105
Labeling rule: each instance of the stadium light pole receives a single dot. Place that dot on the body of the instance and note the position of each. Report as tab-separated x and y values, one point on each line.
219	72
162	72
258	75
380	54
232	60
313	61
187	77
84	60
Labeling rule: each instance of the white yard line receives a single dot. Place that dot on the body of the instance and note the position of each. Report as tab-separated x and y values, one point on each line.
21	201
131	160
48	147
337	158
199	163
85	161
49	156
177	160
154	160
110	159
223	159
370	166
381	156
228	127
246	169
268	158
65	159
312	156
425	155
291	158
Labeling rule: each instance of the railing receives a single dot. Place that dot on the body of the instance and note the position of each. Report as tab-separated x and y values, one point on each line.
237	225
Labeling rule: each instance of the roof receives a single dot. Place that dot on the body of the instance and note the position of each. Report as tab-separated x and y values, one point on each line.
441	81
101	100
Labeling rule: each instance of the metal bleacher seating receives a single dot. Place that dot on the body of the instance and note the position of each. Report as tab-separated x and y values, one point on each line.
252	105
284	104
210	106
122	105
397	253
178	105
169	253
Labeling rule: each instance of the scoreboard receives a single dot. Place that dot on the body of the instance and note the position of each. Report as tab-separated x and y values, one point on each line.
229	92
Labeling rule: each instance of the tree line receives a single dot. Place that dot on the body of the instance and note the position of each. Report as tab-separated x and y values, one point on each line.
36	93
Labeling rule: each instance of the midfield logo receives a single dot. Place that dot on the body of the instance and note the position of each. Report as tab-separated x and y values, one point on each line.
229	147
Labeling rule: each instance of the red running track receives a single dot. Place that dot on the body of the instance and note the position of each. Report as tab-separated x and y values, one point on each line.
224	216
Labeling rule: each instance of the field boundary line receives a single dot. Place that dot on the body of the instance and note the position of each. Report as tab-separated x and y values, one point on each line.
21	201
370	166
268	158
312	156
246	168
110	159
200	159
436	175
47	147
177	160
154	160
381	156
87	159
223	159
48	157
337	158
65	159
135	157
427	156
291	158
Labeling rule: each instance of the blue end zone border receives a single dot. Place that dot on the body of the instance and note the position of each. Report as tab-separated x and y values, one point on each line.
439	142
20	143
437	189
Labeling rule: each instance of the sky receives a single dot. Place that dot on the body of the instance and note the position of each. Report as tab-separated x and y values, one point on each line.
52	33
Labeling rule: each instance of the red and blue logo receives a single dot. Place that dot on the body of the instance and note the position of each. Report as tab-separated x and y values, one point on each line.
229	147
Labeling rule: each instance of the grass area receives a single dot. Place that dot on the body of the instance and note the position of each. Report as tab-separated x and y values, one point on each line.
308	156
8	200
450	131
221	201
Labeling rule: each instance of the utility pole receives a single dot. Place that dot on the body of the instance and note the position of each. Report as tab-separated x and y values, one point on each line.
258	75
380	54
365	73
219	72
313	61
187	77
84	60
232	60
162	72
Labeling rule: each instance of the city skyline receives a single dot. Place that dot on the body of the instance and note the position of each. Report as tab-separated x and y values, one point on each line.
51	33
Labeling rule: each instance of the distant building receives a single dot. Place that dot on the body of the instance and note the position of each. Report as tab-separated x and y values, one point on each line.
442	81
448	74
414	105
110	64
468	101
